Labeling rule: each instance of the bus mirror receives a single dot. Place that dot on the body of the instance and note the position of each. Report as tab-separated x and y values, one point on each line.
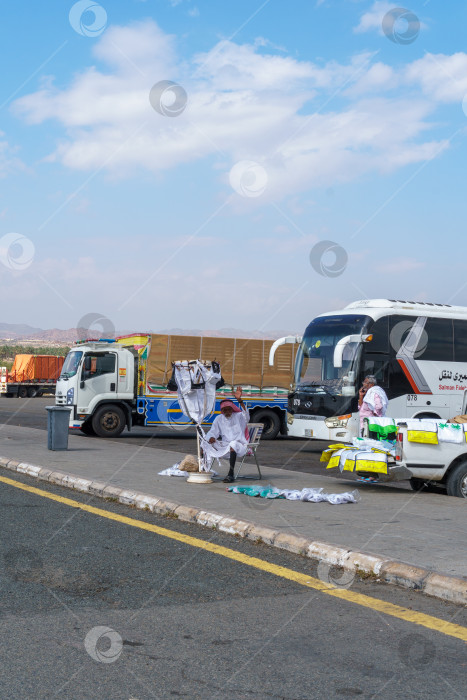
339	349
282	341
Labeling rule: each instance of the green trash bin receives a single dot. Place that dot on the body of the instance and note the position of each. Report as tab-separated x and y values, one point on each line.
58	418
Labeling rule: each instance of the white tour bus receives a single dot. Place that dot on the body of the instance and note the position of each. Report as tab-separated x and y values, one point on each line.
416	350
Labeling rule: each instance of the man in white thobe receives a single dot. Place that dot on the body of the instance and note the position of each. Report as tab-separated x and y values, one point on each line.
229	432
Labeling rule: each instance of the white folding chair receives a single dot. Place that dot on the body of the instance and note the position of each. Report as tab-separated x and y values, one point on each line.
255	430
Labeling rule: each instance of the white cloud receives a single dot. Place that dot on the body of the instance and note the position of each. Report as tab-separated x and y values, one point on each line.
243	104
400	23
442	78
8	160
374	17
378	78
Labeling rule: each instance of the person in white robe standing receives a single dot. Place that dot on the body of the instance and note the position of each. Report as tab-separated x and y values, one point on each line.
229	432
372	400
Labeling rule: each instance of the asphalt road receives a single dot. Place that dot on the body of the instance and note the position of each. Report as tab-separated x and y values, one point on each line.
284	452
93	608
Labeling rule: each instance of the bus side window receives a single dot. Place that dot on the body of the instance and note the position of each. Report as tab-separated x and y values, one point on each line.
436	343
399	327
460	341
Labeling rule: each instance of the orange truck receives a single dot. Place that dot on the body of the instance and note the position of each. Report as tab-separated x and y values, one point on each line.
31	375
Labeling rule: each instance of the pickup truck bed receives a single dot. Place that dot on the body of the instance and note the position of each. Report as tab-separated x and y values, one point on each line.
439	462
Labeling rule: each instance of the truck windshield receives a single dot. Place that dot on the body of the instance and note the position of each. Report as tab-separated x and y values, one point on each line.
315	358
71	364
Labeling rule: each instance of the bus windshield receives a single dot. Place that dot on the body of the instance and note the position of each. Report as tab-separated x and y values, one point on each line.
71	364
315	359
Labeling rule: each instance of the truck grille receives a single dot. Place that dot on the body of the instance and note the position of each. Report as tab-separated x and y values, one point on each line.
60	400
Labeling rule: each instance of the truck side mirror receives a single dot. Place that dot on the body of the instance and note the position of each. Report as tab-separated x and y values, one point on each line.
87	363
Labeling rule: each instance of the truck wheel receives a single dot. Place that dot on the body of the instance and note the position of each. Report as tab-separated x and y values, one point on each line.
22	392
271	423
108	421
456	483
32	392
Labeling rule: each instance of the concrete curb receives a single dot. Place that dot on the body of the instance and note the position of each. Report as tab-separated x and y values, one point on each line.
366	565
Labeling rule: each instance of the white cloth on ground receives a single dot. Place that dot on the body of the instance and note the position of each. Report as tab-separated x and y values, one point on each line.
306	494
175	471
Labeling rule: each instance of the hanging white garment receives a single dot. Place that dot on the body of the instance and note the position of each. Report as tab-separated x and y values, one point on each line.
196	389
451	432
422	430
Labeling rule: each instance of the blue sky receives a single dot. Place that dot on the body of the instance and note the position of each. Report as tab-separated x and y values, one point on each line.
289	124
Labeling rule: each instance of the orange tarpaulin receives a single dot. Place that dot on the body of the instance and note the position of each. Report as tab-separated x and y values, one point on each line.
30	368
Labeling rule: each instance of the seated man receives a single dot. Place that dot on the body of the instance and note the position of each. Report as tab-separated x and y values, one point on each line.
229	432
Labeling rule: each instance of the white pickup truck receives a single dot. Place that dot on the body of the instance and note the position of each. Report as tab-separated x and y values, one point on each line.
440	463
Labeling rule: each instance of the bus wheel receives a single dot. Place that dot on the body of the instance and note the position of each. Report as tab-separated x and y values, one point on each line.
457	481
271	423
22	392
108	421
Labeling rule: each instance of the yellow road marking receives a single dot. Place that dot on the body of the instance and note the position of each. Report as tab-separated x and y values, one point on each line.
448	628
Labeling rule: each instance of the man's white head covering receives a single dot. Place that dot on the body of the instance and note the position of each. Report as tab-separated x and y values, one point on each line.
369	398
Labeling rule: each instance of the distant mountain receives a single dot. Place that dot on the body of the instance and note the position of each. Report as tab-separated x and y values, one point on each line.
17	330
56	335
